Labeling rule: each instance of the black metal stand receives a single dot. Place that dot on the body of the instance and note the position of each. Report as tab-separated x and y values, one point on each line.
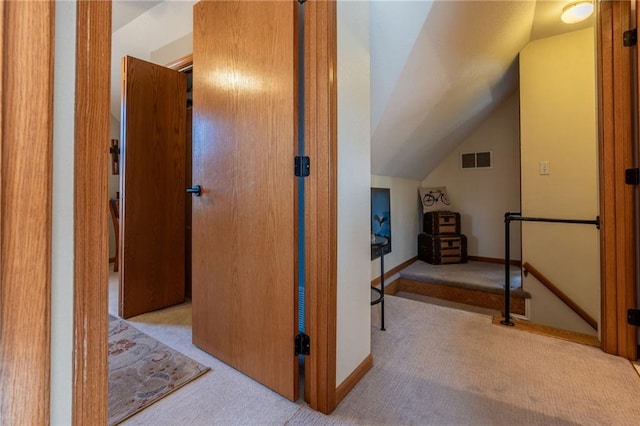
508	218
379	244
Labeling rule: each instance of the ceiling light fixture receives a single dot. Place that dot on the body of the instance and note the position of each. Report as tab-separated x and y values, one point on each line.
576	11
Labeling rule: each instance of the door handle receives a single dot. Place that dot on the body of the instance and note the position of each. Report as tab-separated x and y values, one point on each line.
195	190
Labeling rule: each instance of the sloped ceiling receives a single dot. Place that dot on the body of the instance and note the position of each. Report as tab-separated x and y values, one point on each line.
438	68
430	93
140	27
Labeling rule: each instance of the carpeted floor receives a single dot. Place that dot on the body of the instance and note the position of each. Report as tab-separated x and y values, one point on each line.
433	365
473	275
440	366
142	370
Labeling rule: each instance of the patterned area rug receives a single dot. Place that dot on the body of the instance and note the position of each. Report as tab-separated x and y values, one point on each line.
142	370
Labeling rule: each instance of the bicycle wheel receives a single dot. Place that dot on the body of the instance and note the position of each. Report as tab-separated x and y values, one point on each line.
444	198
428	199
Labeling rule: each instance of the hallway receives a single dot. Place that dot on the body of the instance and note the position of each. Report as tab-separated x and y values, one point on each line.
433	365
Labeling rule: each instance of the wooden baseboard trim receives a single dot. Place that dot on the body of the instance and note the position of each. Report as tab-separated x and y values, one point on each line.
571	336
357	374
460	295
494	260
392	288
393	271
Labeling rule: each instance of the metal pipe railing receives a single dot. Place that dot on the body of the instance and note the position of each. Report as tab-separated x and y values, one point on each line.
517	216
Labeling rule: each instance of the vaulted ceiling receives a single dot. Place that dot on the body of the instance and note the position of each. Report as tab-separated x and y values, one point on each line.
438	68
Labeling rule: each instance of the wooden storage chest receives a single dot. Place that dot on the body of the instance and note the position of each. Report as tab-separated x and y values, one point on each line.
441	222
441	249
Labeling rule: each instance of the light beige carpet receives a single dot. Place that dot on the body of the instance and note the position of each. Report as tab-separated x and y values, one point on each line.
439	366
485	276
142	370
433	365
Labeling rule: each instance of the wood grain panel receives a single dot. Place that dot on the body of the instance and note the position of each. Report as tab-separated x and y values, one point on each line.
244	136
616	154
186	63
181	64
321	203
609	331
25	211
625	228
461	295
91	243
188	204
152	233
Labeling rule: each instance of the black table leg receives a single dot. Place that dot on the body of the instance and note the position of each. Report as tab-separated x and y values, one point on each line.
382	287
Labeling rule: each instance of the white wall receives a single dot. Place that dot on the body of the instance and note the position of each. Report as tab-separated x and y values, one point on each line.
175	50
482	196
353	343
62	218
558	122
406	215
158	27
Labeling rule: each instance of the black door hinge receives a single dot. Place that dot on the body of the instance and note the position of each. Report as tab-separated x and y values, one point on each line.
632	176
633	317
302	166
630	37
302	344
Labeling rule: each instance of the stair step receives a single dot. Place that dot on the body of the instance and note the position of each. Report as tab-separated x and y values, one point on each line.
483	299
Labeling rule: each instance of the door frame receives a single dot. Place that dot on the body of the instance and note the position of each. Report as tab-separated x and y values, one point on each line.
321	198
26	167
90	322
321	211
617	215
91	233
90	397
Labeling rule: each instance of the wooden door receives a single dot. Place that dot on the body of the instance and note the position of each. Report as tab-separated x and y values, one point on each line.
187	206
244	237
152	217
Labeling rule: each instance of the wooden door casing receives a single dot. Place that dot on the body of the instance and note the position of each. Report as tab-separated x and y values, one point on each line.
152	217
618	291
26	151
244	239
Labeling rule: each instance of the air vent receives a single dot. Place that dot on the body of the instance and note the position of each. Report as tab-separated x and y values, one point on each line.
468	161
476	160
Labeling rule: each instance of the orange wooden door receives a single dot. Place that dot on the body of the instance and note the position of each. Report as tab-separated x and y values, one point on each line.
152	217
244	237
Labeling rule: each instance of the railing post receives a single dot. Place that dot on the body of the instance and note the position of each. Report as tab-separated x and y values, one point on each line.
507	271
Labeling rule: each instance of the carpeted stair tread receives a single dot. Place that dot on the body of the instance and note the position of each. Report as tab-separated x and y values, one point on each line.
483	276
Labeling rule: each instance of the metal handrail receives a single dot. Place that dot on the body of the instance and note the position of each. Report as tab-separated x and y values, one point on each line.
517	216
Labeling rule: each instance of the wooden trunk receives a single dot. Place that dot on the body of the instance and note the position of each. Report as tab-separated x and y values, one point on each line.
440	249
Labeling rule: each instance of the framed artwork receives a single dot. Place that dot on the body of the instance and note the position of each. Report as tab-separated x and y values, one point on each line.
114	150
381	218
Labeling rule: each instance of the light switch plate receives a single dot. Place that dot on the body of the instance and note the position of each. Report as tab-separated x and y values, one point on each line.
544	168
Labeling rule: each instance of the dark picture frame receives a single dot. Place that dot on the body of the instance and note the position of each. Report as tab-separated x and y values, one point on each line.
381	219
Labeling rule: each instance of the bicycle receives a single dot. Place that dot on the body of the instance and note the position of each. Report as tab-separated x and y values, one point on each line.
432	197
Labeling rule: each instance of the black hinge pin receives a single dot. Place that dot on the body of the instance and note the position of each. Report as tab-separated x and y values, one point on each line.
632	176
630	37
633	317
302	166
302	344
